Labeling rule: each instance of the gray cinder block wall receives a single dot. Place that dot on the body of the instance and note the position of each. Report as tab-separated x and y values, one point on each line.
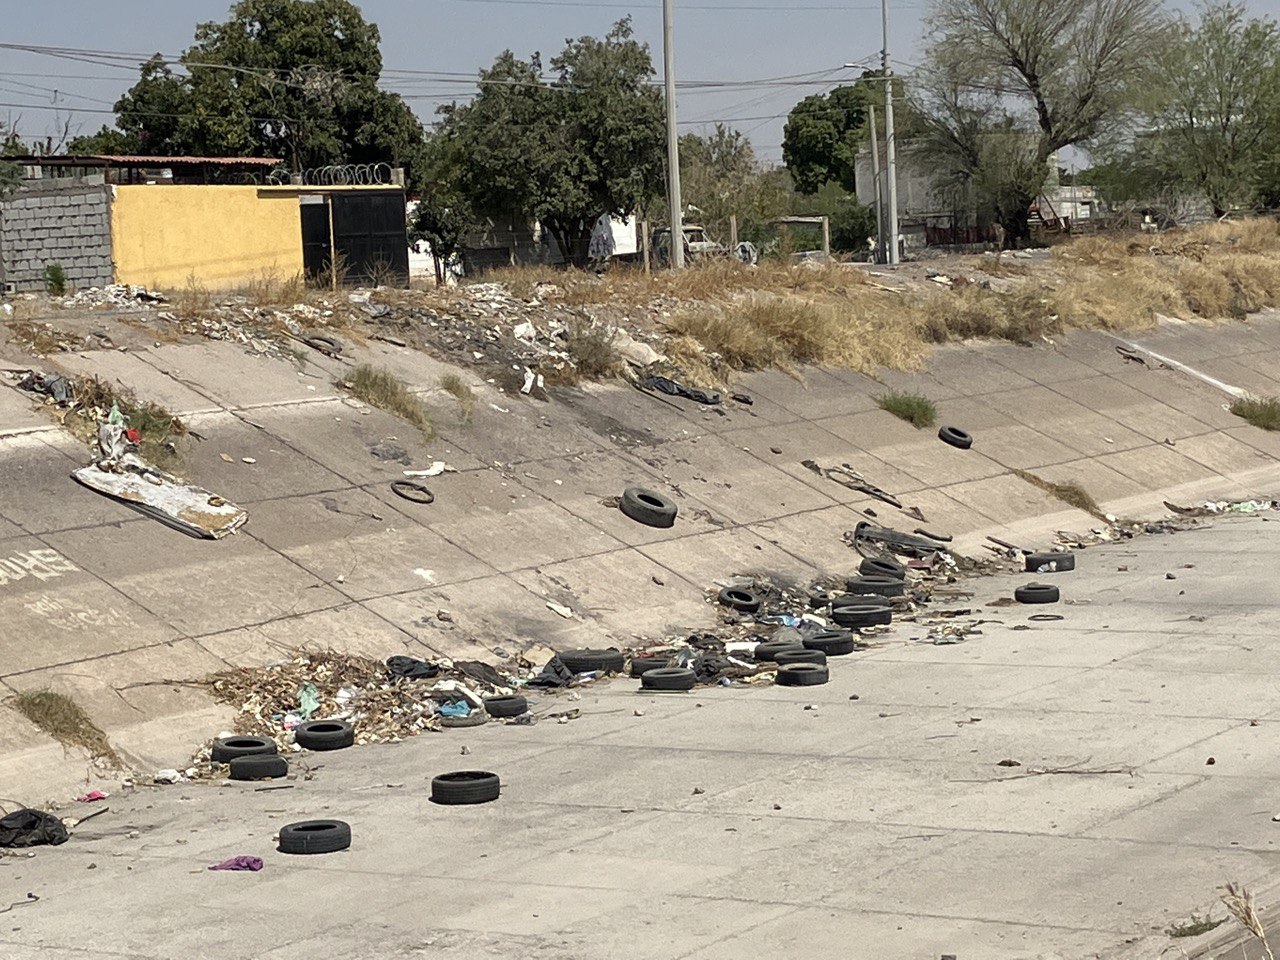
65	222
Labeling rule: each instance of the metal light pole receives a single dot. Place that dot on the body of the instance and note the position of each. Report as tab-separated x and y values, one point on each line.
673	142
890	141
879	185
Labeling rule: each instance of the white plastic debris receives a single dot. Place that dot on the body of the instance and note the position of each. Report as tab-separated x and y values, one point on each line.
436	469
560	609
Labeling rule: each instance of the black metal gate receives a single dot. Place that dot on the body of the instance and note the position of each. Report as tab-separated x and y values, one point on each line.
368	237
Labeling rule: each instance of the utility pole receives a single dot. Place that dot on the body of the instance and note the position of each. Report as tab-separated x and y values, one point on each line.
673	142
879	185
890	141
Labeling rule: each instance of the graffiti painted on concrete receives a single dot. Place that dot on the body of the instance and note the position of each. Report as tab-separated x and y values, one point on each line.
72	616
41	564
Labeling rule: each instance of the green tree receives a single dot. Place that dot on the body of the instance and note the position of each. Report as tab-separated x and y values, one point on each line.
589	142
852	223
293	79
10	173
1216	116
720	178
821	138
1017	80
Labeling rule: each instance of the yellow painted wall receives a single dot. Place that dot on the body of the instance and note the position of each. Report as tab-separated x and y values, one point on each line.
223	237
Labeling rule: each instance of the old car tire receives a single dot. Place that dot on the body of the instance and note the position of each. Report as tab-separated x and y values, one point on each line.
1057	562
642	665
956	437
821	598
506	706
648	507
735	598
807	655
259	766
1037	593
476	718
324	735
228	748
856	618
878	566
593	661
315	836
834	643
669	678
859	600
765	652
464	787
877	585
802	675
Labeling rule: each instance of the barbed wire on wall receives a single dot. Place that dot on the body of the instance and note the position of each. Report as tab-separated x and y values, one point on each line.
348	175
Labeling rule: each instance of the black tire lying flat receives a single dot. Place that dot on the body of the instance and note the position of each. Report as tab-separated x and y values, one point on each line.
855	618
324	735
315	836
766	652
648	507
476	718
956	437
593	661
642	665
859	600
821	598
260	766
464	787
669	678
876	585
802	675
1037	593
879	567
506	706
228	748
807	655
735	598
1057	562
834	643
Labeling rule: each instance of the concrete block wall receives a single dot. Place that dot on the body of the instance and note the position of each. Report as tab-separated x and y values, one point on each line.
65	223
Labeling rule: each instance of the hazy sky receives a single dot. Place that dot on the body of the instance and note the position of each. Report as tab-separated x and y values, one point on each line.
716	40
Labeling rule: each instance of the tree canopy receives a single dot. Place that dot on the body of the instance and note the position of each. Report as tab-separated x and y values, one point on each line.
563	151
292	79
720	178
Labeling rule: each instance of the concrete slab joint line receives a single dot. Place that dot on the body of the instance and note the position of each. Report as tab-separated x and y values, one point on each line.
1227	388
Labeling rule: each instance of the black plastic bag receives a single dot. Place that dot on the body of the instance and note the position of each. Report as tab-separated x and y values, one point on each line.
31	828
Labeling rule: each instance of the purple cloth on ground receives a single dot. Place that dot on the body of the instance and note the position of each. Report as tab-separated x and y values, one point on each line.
240	863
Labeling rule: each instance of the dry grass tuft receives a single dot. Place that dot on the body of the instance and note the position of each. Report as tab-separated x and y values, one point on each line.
1072	493
761	330
268	290
1239	903
1023	315
918	411
592	347
65	720
460	390
382	389
1263	412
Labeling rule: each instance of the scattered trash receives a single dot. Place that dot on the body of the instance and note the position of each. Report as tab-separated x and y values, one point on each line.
846	476
185	507
31	828
92	797
411	668
674	389
253	864
413	492
167	777
560	609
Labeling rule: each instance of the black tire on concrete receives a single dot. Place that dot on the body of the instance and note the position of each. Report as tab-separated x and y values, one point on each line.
821	598
465	787
1058	562
476	718
807	655
859	600
834	643
802	675
878	566
669	679
735	598
648	507
956	437
1037	593
259	766
642	665
228	748
315	836
593	661
876	585
324	735
506	706
856	618
766	652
